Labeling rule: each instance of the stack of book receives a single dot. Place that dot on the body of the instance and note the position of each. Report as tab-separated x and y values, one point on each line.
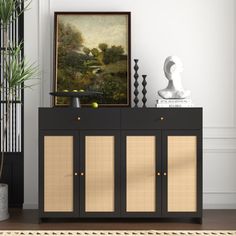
187	102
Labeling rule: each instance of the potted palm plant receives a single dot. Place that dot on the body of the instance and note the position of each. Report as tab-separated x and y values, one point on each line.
15	72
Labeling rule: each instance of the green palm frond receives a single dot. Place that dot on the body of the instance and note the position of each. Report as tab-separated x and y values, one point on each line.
18	71
11	9
21	72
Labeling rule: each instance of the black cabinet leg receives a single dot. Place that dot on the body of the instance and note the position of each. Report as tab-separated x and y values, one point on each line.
40	220
198	220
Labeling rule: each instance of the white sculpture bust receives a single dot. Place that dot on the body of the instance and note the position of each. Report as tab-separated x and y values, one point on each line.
172	68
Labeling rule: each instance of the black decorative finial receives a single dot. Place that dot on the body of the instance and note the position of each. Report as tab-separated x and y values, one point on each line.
144	91
136	84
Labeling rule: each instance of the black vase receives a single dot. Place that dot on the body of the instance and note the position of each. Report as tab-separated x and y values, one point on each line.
144	91
136	84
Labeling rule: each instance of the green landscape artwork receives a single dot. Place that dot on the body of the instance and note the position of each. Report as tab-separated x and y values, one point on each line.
92	53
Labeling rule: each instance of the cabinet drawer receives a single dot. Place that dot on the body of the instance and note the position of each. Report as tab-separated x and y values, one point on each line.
84	118
161	118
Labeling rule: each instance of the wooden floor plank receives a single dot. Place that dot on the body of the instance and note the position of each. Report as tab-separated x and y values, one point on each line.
28	219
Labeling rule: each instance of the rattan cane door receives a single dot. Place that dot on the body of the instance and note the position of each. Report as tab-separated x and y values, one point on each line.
58	165
141	174
181	173
100	173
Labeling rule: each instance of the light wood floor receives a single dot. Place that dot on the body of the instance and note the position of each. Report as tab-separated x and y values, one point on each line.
212	220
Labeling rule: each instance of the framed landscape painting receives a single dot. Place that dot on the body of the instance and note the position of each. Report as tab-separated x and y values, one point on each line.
92	53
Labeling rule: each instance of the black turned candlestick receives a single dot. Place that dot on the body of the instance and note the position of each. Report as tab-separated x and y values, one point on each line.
136	84
144	91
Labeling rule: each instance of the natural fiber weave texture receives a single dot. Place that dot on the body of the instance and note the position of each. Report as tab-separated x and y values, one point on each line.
100	174
118	233
182	174
141	169
58	173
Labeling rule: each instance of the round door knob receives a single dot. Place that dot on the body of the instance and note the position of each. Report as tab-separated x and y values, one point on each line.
82	173
78	118
162	118
165	173
158	173
76	173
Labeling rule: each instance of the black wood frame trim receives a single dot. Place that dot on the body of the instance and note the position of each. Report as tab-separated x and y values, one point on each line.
120	138
165	135
128	13
42	213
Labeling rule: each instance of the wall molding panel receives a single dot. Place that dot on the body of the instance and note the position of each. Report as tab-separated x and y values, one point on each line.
219	200
45	55
222	151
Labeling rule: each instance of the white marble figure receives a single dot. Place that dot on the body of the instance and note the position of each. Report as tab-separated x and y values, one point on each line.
172	68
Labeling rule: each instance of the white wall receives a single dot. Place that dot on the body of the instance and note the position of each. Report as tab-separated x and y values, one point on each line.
200	32
32	102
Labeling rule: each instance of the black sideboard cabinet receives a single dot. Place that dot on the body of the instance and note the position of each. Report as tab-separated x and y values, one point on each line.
120	163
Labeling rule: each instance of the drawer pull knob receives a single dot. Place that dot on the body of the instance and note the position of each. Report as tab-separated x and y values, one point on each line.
158	173
78	118
162	118
82	173
76	173
165	173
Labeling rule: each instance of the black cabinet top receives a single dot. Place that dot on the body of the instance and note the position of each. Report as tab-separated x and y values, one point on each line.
122	108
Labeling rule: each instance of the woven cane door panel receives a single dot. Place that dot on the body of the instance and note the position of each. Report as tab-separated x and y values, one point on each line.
58	173
140	174
100	174
182	174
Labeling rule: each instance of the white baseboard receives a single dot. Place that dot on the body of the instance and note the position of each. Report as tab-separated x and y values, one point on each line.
219	206
30	206
219	200
211	200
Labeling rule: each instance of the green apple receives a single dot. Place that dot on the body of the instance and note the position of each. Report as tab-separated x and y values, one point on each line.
94	105
81	90
75	90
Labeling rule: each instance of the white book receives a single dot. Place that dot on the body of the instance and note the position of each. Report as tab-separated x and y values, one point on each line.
177	105
174	103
